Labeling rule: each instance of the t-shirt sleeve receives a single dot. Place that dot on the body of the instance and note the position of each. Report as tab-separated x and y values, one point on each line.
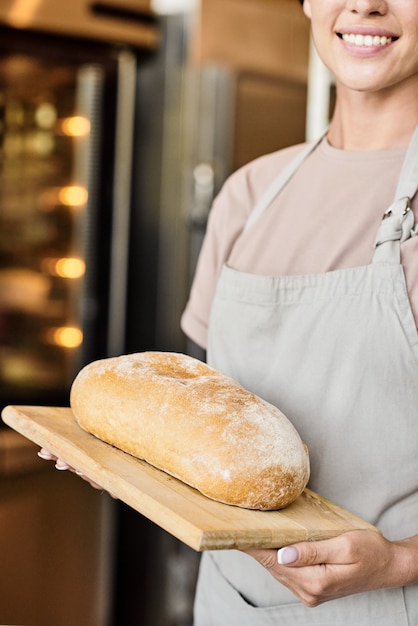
226	220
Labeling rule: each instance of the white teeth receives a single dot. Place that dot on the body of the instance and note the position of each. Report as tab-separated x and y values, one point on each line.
366	40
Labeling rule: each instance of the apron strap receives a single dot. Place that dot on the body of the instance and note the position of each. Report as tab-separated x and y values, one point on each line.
279	182
398	223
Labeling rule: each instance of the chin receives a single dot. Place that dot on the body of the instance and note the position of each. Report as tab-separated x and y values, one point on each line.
364	84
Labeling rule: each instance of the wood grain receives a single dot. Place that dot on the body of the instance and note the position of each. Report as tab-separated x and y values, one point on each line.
194	519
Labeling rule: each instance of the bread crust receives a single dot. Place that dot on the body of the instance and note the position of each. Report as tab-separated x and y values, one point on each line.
196	424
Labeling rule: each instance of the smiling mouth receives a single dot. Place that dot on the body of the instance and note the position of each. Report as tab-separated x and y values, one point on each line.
366	41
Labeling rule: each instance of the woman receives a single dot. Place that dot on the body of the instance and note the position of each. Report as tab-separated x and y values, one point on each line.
307	296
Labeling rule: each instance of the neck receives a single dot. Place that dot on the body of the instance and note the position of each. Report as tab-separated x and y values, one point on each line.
367	121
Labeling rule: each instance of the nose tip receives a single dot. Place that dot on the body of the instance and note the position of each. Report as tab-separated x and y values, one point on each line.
367	7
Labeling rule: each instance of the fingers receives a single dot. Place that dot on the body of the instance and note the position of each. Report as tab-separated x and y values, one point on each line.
320	571
46	455
62	465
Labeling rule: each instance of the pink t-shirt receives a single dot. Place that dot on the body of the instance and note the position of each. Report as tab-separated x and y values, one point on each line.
325	218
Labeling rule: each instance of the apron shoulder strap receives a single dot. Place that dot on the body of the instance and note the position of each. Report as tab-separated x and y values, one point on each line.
398	222
279	182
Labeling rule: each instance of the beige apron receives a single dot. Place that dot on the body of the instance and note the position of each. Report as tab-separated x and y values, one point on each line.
338	353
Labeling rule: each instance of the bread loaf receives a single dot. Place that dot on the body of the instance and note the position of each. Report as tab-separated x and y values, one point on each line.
196	424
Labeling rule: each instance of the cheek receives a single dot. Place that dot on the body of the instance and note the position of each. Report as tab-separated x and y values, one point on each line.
325	46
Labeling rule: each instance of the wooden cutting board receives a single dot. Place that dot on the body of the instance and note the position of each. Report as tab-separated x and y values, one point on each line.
201	523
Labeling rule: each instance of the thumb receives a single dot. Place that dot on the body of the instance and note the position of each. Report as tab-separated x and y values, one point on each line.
287	555
302	554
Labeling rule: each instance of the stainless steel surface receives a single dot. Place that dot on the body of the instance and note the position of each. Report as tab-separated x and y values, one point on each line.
122	194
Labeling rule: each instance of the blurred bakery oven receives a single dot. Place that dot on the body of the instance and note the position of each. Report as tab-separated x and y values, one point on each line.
67	102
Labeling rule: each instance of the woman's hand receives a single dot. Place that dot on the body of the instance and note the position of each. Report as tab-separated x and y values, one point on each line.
354	562
60	464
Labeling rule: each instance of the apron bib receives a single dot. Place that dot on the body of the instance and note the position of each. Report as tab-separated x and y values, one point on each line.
338	354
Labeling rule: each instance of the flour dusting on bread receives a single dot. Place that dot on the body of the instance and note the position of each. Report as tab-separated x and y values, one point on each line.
196	424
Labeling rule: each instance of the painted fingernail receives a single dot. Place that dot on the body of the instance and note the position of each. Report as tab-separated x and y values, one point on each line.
45	456
285	556
79	473
62	467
